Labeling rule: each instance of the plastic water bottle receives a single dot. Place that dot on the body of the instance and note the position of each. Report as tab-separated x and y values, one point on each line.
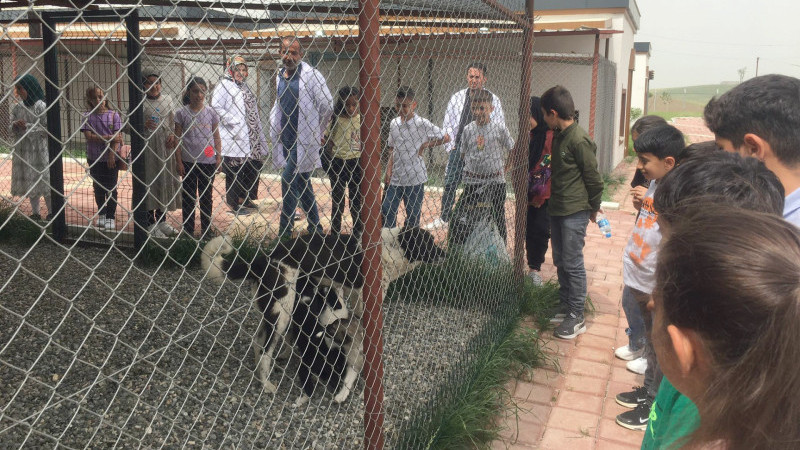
604	225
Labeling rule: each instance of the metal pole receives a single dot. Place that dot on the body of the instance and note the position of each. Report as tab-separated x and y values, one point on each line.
519	163
136	123
369	79
54	147
595	69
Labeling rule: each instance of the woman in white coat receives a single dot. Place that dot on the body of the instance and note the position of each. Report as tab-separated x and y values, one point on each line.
244	144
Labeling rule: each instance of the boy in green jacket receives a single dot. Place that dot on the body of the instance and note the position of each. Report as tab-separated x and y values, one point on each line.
576	189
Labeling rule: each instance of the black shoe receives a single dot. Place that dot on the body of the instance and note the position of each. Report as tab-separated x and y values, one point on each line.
633	398
636	419
571	327
36	217
558	313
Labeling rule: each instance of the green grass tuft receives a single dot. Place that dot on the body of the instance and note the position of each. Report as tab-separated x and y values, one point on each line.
17	227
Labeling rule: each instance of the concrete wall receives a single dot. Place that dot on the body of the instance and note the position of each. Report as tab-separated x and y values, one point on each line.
639	89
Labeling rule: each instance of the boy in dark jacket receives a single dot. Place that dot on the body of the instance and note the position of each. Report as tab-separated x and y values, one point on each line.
576	190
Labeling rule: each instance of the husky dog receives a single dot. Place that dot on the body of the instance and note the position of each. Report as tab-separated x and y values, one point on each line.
333	260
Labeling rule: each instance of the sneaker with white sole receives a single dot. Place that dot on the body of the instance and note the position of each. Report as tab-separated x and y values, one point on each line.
571	327
110	225
167	229
625	353
558	313
536	278
632	398
638	365
436	224
637	418
155	231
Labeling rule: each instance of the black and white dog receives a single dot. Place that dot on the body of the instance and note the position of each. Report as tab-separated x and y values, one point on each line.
332	261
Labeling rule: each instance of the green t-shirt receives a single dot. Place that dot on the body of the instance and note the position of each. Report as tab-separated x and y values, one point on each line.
672	417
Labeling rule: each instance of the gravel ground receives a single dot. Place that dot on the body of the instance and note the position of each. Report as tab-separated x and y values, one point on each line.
96	352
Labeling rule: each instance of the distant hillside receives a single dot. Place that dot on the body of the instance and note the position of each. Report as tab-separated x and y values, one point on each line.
689	100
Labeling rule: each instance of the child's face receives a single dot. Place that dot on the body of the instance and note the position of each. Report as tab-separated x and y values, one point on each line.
481	112
20	92
197	94
351	106
653	168
550	118
405	107
97	98
152	86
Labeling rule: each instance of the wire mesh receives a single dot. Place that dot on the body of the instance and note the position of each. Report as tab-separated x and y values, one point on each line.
146	345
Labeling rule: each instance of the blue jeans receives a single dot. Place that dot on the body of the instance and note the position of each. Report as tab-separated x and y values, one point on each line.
452	178
567	236
412	197
296	187
634	312
653	375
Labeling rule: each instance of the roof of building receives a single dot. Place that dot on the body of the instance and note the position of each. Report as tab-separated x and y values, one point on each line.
642	47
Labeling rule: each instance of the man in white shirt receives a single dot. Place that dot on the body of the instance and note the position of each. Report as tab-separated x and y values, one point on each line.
457	116
297	123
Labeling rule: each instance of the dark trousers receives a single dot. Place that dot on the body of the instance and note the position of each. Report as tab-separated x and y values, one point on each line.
537	235
241	180
198	183
345	173
475	201
567	236
104	182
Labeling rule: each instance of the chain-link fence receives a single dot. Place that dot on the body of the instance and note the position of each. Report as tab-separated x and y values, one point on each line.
218	205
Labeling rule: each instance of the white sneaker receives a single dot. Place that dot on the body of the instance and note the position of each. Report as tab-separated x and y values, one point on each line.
101	222
536	278
625	353
436	224
155	231
167	229
638	365
110	225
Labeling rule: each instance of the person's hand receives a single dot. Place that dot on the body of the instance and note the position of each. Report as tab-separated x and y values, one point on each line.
422	148
637	196
150	124
171	142
593	215
19	125
111	161
181	169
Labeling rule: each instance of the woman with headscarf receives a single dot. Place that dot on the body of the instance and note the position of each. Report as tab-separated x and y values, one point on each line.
30	168
244	144
537	232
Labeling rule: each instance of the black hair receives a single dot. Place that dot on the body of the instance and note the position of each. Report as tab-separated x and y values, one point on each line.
767	106
663	142
645	123
718	177
697	148
341	98
190	84
559	99
481	96
477	65
405	92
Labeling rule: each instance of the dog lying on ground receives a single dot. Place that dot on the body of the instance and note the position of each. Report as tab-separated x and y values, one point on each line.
330	260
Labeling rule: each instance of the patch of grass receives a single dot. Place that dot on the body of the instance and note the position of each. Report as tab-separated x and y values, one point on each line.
183	251
612	183
17	227
505	350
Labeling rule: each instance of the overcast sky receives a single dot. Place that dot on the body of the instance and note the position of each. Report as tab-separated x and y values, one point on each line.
707	41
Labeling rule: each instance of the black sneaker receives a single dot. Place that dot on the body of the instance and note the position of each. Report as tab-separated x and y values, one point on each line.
636	419
571	327
633	398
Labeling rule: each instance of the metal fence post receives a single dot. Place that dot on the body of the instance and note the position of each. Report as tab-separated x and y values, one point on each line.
136	121
369	79
54	146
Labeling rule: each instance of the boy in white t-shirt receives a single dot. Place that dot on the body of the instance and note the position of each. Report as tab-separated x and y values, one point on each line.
484	148
657	150
406	174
